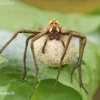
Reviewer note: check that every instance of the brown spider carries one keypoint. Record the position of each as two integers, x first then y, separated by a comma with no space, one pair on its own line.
54,31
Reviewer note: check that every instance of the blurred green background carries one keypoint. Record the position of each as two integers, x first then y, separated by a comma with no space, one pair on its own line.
78,15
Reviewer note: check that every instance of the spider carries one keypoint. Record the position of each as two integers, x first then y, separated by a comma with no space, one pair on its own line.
54,31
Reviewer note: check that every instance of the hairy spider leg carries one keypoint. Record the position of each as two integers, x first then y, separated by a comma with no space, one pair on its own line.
33,32
82,43
34,58
82,46
25,50
14,36
62,42
80,50
66,47
43,48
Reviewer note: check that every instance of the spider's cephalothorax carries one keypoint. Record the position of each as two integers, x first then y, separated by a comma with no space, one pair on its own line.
53,31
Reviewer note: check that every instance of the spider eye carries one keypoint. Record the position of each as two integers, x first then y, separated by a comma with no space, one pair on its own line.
51,22
56,23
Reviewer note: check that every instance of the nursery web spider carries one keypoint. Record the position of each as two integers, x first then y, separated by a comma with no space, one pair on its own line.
54,31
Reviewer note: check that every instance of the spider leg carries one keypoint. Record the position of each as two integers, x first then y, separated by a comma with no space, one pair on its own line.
43,48
25,50
66,47
14,36
82,43
34,58
73,73
62,42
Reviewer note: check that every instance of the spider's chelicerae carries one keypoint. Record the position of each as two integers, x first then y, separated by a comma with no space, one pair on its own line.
53,31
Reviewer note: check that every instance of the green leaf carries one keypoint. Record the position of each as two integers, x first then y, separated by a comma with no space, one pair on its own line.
2,59
22,89
3,91
45,91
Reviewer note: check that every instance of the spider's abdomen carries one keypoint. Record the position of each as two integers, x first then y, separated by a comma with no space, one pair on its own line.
54,33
